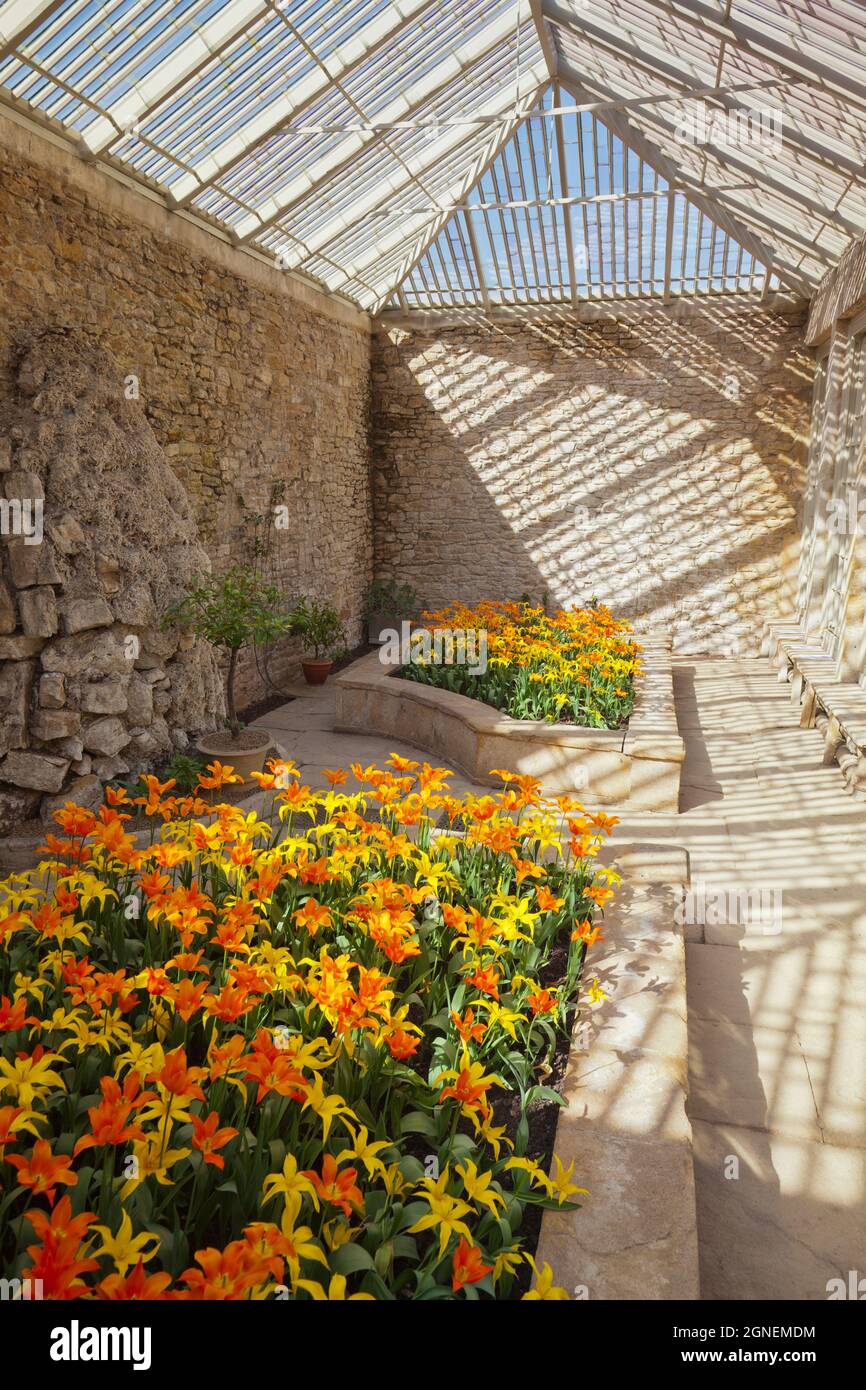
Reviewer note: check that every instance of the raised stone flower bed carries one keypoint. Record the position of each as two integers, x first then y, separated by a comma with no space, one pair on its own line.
625,1124
638,766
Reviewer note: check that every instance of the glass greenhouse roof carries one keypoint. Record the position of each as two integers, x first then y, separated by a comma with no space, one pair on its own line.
425,153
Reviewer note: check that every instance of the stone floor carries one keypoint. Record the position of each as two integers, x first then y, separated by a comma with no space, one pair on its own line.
777,1025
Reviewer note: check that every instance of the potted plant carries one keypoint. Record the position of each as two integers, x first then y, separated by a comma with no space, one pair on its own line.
232,610
320,627
387,604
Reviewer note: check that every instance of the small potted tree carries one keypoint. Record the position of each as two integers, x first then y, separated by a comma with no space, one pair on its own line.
318,624
232,610
387,604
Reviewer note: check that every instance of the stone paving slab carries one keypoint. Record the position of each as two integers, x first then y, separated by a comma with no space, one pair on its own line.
793,1217
624,1124
752,1076
777,1030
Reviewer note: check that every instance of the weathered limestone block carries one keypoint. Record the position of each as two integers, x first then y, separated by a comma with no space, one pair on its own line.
135,606
83,791
106,736
103,697
16,806
148,745
159,642
139,697
38,610
24,485
23,562
20,647
7,609
40,771
48,724
52,691
108,573
108,768
67,535
32,564
147,662
71,748
82,614
16,684
94,654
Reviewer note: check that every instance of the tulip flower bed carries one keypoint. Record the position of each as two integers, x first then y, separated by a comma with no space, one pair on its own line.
575,666
259,1058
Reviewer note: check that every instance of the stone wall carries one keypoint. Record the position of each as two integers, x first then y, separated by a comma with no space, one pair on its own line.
99,539
652,458
256,387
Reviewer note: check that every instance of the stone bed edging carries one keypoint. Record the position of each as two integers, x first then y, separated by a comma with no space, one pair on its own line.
639,768
624,1123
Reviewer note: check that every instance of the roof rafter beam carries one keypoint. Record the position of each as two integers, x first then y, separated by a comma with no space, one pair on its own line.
476,257
793,239
566,215
763,43
427,229
652,61
299,97
479,168
22,18
341,155
545,38
755,169
189,58
699,195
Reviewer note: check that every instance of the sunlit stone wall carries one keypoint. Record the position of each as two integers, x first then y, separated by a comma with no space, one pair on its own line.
652,458
255,386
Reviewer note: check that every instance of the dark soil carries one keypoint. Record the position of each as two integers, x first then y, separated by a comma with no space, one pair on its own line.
241,743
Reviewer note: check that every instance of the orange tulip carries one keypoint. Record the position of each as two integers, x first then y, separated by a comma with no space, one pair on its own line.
42,1172
337,1188
207,1138
468,1267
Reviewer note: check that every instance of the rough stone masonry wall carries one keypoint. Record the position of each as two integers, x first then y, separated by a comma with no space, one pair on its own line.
248,382
100,539
653,459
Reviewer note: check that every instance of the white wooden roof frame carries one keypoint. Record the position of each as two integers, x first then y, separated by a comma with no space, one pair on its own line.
304,129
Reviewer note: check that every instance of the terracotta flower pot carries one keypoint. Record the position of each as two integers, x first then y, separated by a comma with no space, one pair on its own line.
317,672
243,760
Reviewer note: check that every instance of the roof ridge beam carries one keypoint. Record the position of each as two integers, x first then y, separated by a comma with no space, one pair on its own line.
545,38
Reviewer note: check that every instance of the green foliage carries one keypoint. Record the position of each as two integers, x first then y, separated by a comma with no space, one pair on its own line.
185,770
319,625
231,610
389,596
